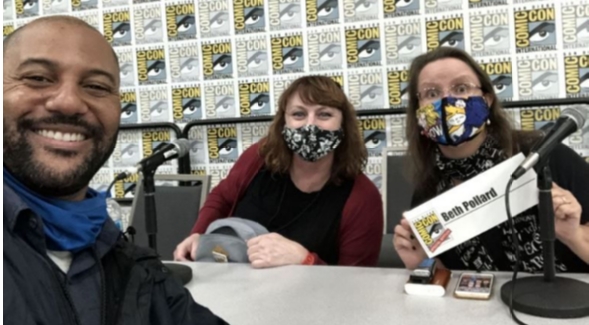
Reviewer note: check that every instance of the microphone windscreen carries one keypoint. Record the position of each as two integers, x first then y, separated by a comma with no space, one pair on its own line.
579,113
183,147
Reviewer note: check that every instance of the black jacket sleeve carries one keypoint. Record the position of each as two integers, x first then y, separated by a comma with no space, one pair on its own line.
181,308
570,171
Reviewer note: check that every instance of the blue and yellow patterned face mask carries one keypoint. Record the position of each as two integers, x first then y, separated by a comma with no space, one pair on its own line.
452,121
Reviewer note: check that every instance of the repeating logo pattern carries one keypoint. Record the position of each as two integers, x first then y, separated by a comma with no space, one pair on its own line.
186,60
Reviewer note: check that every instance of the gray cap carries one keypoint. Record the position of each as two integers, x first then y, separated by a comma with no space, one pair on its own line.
226,240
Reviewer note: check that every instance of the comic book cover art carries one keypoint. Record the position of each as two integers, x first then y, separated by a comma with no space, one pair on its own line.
452,114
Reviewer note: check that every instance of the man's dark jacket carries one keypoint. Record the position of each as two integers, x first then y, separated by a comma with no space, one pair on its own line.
130,286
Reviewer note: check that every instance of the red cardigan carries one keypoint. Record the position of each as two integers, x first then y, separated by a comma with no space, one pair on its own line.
361,226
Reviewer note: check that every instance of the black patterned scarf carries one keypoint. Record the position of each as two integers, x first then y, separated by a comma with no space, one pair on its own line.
473,253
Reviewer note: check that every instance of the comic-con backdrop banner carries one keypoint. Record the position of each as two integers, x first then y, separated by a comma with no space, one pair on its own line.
185,60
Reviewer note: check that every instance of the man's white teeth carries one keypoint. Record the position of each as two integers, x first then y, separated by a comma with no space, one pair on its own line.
56,135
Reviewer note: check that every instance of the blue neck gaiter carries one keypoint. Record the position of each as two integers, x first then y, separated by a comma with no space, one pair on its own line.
68,225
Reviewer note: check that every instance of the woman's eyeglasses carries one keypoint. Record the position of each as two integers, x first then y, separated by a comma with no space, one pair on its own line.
463,89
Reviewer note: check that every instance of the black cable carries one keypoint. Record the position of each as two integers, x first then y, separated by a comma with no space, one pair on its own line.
515,243
131,231
126,174
119,177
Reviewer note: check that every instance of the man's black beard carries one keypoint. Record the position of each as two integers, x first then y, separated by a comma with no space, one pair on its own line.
19,160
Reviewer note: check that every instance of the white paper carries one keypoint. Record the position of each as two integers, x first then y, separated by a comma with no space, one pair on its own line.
472,207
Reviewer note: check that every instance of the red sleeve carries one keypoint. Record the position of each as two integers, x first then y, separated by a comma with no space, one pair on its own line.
362,225
223,197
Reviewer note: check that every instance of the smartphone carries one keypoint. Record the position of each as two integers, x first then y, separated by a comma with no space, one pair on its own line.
474,286
424,271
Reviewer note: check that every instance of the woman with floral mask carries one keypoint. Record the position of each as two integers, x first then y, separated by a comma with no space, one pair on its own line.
304,183
457,129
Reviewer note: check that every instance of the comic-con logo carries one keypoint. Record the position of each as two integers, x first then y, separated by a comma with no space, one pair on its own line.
214,18
576,68
92,18
220,100
279,85
338,77
397,134
125,188
445,32
117,27
535,30
398,82
539,118
254,98
222,143
287,53
186,103
84,4
248,16
501,75
128,107
324,48
7,30
126,67
322,12
435,6
252,56
153,139
374,134
579,141
26,8
127,151
198,170
373,170
217,60
575,26
284,14
402,41
252,133
7,8
154,104
365,89
148,25
55,7
363,47
400,8
180,21
184,65
537,78
360,10
114,3
489,33
198,153
151,66
101,180
485,3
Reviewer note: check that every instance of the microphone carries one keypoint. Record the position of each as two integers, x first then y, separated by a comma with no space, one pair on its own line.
175,149
571,119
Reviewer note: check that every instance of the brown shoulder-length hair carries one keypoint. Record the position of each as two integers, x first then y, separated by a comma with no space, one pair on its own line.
421,150
349,157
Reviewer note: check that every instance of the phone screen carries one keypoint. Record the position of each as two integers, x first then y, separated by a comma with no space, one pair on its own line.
475,283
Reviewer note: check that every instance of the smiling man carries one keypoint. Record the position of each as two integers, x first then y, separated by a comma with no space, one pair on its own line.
65,262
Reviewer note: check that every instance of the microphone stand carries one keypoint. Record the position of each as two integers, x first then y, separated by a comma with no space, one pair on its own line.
150,212
182,272
548,295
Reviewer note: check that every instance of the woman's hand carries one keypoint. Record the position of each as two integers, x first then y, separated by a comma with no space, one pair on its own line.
567,215
274,250
186,250
407,246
